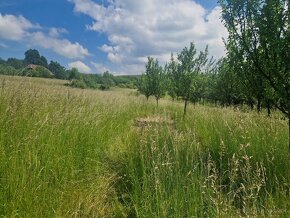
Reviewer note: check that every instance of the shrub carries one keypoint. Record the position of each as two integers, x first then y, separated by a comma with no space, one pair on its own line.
76,83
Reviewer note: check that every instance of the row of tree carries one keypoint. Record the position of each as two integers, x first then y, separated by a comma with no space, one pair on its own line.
35,65
256,70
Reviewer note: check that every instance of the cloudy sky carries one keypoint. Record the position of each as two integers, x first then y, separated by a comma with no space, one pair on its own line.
114,35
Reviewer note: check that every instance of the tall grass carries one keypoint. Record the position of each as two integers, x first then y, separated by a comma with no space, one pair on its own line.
70,152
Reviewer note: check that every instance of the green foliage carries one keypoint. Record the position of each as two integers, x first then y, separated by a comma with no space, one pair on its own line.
39,71
107,81
71,152
143,86
255,44
16,63
58,70
156,78
32,56
8,70
77,83
184,73
74,74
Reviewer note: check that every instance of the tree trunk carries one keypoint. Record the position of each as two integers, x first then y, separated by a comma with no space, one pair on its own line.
147,98
251,104
157,100
268,107
185,106
259,105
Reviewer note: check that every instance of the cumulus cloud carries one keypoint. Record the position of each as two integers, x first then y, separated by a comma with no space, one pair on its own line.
100,68
60,46
14,27
83,68
18,28
56,32
137,29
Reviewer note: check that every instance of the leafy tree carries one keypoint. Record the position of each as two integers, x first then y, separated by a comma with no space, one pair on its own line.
267,49
228,86
189,66
156,78
74,74
143,86
77,83
171,72
107,80
58,70
32,56
16,63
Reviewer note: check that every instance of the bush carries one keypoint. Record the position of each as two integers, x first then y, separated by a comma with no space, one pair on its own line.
104,87
39,71
77,84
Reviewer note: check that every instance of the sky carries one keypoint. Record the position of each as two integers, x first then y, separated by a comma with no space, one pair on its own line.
115,35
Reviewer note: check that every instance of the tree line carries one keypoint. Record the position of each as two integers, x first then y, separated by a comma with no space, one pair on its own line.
36,65
255,71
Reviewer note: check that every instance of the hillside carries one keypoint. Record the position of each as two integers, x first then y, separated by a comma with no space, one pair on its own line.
86,153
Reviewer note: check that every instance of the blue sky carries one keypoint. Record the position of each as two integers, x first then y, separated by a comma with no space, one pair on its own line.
114,35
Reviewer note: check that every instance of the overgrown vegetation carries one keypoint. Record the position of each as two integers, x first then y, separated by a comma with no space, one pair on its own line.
85,153
78,152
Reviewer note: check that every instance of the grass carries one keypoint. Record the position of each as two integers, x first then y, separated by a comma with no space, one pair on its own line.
82,153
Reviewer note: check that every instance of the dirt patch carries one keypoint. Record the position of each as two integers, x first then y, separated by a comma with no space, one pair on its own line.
152,120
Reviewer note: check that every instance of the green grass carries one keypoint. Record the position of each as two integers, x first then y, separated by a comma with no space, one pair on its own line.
69,152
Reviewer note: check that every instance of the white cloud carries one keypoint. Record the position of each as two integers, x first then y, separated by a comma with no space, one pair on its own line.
14,27
100,68
18,28
56,32
136,29
60,46
83,68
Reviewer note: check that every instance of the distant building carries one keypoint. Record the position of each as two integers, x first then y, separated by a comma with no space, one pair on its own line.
31,66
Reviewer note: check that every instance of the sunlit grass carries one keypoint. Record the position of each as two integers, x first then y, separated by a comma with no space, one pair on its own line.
70,152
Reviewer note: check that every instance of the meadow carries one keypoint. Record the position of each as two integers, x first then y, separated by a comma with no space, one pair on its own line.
67,152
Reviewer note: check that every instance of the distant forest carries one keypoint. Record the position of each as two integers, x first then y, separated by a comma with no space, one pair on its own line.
35,65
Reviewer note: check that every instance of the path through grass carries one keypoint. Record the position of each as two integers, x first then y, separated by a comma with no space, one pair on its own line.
70,152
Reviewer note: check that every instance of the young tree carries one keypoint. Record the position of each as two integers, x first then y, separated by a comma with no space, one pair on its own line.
143,86
183,76
107,80
156,78
171,72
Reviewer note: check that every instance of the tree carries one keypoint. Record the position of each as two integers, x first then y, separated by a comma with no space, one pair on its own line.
185,71
58,70
156,78
107,80
73,74
143,86
267,49
32,56
16,63
171,71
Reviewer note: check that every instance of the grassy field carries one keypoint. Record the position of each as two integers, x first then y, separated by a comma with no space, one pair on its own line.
83,153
